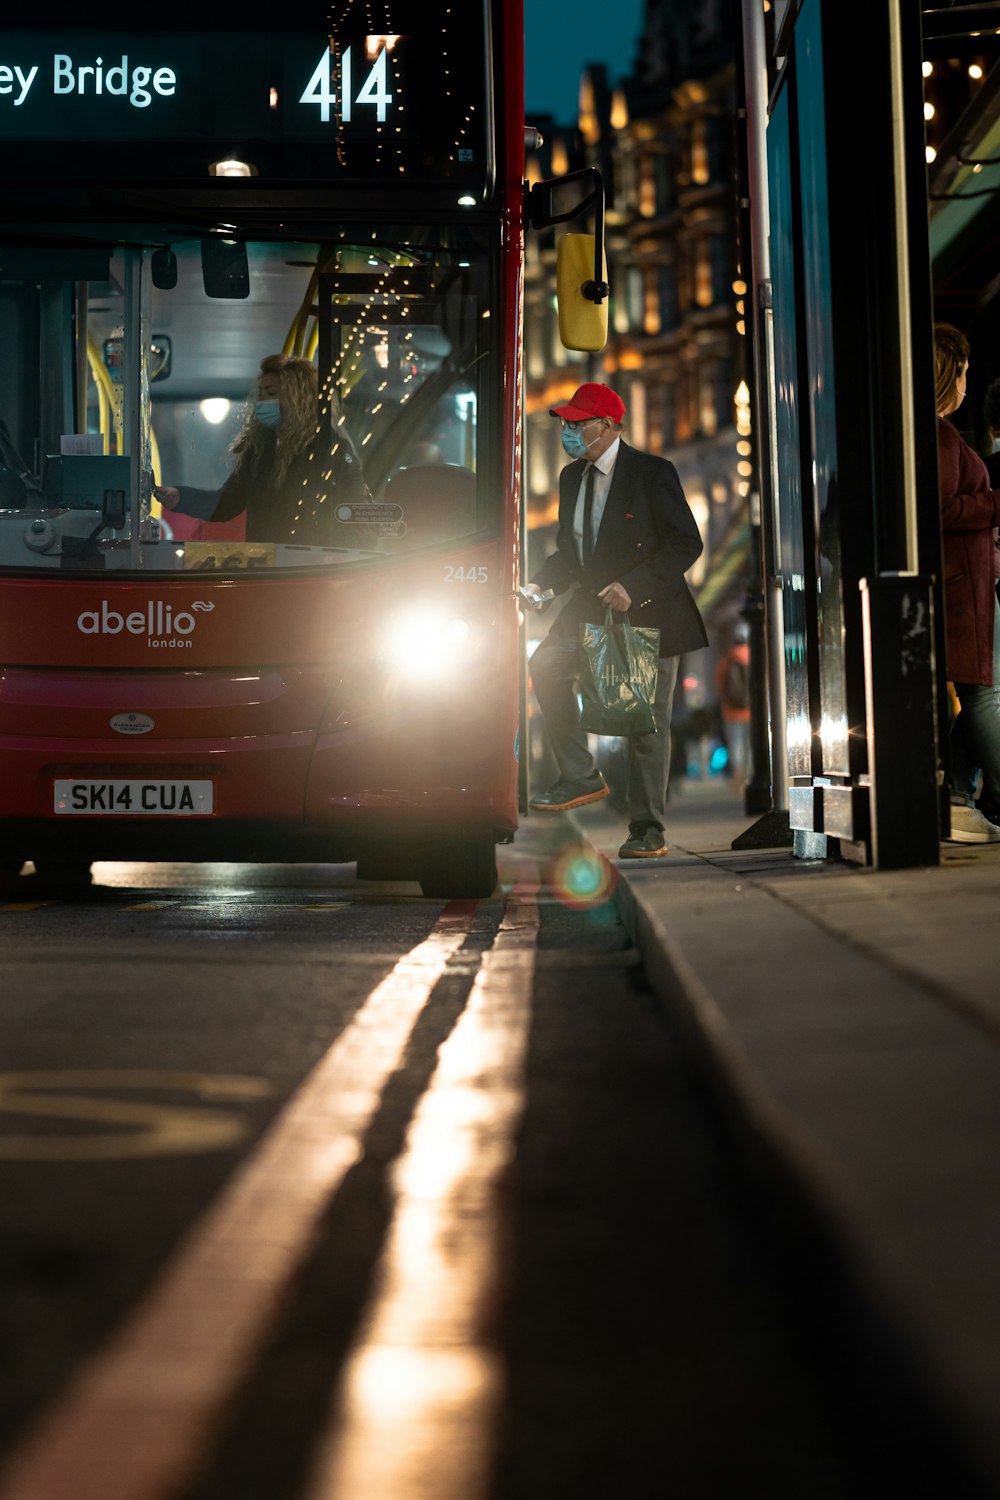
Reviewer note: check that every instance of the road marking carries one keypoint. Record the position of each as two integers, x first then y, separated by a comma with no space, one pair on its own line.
223,903
417,1408
139,1128
134,1422
216,903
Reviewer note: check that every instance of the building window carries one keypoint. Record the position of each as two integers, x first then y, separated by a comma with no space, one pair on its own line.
685,290
668,296
704,292
534,339
719,146
699,509
539,465
625,175
647,188
708,397
557,353
637,424
635,296
700,166
619,313
685,413
666,182
724,377
721,254
651,304
668,414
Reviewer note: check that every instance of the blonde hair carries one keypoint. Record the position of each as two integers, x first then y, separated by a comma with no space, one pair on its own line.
298,389
951,355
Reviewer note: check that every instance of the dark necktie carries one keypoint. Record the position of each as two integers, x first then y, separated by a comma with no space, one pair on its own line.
588,516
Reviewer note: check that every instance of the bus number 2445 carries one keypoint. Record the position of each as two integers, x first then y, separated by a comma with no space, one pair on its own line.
466,575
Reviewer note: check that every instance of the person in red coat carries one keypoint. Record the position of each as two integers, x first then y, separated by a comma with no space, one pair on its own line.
732,683
970,513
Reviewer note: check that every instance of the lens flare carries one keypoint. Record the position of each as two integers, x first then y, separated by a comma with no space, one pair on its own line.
581,878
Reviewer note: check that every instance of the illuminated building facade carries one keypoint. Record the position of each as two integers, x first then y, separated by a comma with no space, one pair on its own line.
665,141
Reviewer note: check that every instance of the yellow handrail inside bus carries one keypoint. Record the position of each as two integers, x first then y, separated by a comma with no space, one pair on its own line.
294,346
154,459
105,394
107,415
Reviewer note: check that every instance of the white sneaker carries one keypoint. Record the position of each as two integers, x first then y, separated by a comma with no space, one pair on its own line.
968,826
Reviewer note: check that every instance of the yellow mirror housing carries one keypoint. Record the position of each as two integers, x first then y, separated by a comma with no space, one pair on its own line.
582,324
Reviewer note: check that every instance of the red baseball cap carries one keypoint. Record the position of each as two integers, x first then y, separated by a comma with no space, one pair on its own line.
591,401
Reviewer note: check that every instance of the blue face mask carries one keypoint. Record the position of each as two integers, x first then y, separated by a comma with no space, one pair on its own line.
573,444
268,413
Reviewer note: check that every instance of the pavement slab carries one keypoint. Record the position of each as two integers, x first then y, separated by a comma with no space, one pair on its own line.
851,1020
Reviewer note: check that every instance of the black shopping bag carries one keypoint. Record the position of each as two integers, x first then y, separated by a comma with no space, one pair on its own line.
618,667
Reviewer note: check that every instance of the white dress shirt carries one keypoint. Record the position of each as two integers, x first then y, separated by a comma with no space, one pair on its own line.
605,466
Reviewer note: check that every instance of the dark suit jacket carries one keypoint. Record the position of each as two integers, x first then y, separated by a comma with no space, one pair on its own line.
647,540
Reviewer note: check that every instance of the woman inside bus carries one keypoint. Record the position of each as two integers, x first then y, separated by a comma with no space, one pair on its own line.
288,495
970,512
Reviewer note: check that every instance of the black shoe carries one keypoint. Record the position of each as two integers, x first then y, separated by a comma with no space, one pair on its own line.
645,841
566,794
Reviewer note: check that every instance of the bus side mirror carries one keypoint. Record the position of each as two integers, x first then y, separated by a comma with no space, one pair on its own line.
583,323
224,268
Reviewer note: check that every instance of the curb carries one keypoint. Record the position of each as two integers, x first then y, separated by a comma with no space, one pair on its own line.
825,1245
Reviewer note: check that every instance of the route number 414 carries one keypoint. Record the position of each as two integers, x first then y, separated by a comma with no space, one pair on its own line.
374,91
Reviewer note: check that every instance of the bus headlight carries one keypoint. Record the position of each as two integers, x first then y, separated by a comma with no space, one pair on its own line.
424,644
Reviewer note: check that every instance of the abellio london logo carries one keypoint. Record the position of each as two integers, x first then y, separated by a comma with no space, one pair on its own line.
158,622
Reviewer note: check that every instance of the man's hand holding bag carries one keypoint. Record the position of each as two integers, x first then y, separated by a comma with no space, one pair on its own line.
619,663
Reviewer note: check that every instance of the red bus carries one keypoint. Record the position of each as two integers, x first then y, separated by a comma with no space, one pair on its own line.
337,681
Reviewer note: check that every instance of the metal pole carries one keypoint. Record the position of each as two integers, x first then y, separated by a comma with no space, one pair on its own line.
135,415
524,729
755,71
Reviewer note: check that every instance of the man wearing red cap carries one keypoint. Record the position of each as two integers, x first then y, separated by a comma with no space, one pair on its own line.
626,539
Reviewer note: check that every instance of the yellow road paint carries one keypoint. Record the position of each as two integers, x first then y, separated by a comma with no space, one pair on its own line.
177,903
134,1423
137,1128
417,1408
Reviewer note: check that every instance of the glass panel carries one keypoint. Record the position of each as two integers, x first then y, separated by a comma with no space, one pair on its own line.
795,567
818,304
329,415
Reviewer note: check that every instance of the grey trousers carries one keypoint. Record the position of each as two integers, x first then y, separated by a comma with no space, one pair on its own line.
975,734
555,669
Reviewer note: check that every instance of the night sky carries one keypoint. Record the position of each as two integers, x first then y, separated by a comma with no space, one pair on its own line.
562,36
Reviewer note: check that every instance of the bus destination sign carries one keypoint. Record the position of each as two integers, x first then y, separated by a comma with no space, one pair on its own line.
290,104
161,85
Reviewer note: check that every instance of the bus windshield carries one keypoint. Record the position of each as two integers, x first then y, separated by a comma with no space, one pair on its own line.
190,403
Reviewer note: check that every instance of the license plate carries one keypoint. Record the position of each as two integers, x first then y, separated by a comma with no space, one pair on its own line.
132,799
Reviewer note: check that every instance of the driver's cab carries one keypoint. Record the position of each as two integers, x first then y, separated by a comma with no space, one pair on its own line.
136,367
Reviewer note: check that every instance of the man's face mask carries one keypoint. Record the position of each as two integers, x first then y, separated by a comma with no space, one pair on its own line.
573,443
268,413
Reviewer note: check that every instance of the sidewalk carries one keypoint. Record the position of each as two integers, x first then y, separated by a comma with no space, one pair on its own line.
851,1021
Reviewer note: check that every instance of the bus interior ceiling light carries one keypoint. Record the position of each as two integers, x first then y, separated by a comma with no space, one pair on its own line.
231,168
426,642
466,201
215,409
